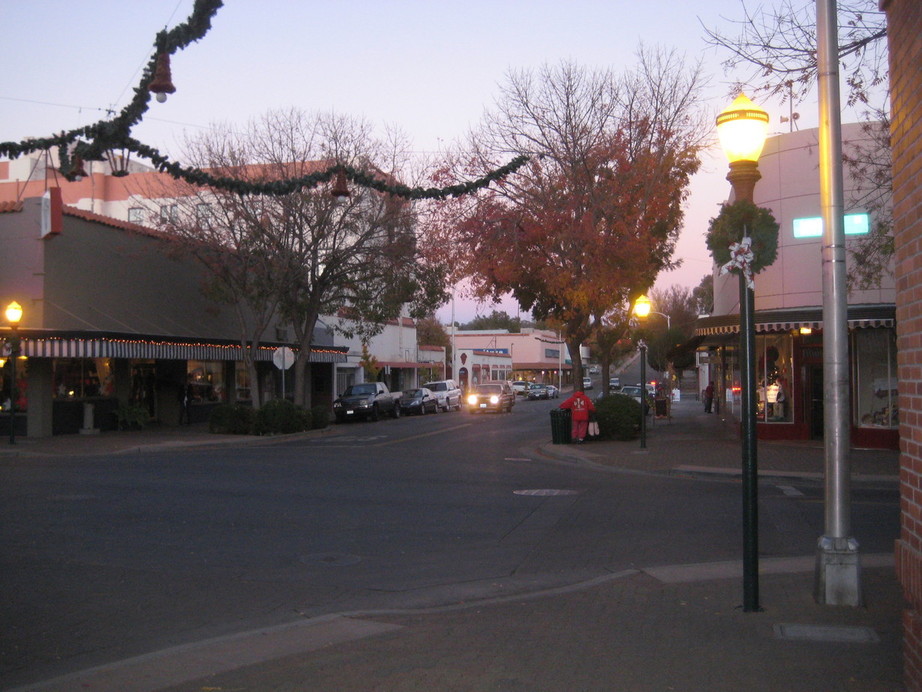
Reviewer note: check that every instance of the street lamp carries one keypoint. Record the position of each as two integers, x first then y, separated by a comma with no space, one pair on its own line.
742,128
642,308
13,316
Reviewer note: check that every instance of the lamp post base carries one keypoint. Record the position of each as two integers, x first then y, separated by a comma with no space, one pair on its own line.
837,579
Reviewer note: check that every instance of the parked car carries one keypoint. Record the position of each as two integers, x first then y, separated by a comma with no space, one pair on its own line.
614,382
447,393
491,396
418,401
537,391
608,392
520,387
635,390
587,383
368,400
552,392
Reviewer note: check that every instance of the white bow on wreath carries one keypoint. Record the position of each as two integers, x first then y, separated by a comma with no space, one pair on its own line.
741,257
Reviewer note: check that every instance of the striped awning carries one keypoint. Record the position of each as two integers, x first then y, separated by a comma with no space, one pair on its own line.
155,349
859,317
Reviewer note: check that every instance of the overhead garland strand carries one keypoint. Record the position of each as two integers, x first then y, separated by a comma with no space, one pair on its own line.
91,142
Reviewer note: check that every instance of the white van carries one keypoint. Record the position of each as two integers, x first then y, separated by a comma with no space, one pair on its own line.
447,392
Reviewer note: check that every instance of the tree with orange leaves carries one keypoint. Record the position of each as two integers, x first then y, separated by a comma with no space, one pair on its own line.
595,215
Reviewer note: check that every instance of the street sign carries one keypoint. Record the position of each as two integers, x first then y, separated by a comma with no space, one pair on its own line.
283,358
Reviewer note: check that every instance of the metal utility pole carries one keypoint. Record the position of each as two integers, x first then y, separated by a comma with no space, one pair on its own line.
838,566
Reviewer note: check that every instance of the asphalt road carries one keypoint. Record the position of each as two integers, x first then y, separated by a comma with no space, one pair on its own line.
103,558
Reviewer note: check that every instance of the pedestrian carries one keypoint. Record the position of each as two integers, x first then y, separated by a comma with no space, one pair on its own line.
580,407
708,397
185,399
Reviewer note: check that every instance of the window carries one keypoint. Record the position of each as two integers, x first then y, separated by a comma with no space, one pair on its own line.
79,378
203,214
242,378
207,381
136,215
875,396
855,224
169,213
774,377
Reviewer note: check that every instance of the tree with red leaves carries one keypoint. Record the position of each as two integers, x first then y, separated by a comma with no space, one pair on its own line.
595,216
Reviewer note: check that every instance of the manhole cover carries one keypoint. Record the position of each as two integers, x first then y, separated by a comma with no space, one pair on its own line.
545,492
330,559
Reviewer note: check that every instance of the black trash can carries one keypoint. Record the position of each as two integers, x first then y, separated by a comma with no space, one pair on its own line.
560,426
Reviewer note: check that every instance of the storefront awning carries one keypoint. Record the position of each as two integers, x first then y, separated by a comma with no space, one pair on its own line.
38,345
859,317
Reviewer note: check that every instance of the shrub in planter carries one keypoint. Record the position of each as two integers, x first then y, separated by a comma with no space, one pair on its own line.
231,419
131,416
618,416
320,417
280,416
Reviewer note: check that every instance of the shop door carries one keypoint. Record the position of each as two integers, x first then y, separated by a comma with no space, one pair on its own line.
144,387
815,401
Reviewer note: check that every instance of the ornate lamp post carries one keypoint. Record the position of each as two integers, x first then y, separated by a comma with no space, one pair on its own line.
742,128
13,316
642,308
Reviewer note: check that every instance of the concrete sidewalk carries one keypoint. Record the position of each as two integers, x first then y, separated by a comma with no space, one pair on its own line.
655,627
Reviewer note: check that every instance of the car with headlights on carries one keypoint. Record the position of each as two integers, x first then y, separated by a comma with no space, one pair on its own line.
491,396
418,402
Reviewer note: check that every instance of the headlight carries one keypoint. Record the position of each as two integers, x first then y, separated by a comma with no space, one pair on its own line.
364,403
494,399
472,399
337,404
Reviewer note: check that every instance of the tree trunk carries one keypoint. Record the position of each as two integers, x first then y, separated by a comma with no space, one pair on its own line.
302,395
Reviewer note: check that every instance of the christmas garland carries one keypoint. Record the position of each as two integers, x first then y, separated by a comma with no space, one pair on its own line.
743,238
91,143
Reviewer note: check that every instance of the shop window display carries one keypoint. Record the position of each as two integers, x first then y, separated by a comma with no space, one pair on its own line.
21,387
206,381
875,396
83,378
243,382
774,376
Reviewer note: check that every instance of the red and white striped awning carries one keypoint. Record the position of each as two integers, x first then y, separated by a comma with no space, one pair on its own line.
154,349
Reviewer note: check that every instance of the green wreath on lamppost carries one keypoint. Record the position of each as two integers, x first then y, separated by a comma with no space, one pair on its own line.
739,219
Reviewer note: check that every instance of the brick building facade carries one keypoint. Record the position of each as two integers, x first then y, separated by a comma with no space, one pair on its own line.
904,22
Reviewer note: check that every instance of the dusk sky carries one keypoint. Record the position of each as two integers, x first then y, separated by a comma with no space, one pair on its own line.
429,68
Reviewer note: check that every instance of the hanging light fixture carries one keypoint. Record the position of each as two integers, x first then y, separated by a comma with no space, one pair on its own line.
118,161
340,189
162,83
78,172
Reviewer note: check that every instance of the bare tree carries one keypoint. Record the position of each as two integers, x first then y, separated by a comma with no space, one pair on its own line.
315,255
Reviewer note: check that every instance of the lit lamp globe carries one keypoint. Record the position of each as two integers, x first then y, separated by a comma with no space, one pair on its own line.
742,128
13,313
642,307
